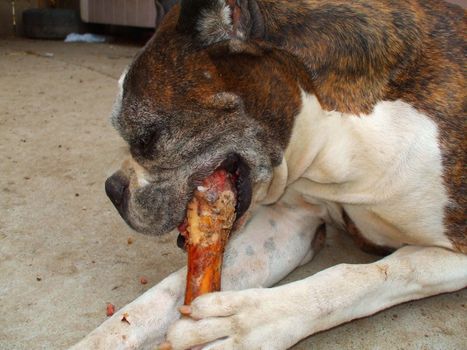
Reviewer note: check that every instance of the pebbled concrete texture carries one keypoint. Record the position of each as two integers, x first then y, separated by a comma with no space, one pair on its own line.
64,250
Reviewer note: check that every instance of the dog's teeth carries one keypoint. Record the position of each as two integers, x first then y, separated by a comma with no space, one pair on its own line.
202,189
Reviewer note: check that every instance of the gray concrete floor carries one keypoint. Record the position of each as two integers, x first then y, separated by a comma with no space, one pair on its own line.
63,248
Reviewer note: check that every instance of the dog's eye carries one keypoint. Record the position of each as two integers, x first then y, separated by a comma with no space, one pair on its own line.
143,143
144,146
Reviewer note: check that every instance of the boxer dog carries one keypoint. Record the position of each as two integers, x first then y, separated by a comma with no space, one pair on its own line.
351,114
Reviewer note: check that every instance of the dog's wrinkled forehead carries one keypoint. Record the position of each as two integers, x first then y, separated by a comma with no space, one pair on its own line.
167,81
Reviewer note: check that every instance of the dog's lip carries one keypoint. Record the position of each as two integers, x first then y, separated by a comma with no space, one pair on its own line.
243,187
240,173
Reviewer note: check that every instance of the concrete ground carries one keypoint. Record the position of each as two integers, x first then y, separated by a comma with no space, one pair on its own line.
64,250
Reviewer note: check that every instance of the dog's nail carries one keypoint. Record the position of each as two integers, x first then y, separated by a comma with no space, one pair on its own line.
185,310
165,346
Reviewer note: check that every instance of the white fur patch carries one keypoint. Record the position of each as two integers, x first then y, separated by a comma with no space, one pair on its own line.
118,101
384,169
141,177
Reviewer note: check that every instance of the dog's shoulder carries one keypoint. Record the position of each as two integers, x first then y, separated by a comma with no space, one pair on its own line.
363,54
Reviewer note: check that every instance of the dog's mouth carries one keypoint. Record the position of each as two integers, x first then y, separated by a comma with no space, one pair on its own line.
239,173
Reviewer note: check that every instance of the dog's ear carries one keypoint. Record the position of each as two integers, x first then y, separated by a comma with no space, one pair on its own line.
214,21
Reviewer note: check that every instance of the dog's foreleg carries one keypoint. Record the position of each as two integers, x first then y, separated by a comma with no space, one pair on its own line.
279,317
275,241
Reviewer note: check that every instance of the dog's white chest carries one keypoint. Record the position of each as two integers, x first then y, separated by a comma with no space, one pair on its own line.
384,169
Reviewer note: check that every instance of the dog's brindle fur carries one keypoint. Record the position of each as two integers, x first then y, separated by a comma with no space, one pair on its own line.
350,55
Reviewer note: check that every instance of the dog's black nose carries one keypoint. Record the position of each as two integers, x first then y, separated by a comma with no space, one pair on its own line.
115,187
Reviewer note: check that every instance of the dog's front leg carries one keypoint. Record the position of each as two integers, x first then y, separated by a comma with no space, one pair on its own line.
275,241
279,317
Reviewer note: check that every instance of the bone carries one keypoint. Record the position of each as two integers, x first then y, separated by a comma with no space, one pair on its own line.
210,217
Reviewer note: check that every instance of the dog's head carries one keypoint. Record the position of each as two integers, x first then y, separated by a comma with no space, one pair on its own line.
202,94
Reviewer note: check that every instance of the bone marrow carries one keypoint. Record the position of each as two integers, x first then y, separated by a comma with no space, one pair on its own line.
210,217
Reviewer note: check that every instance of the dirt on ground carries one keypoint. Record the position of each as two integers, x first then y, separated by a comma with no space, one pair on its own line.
65,252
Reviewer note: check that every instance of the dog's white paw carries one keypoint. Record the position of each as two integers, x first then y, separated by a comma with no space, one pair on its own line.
248,319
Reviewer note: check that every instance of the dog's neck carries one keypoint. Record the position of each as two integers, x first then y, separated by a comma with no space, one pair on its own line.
299,154
351,55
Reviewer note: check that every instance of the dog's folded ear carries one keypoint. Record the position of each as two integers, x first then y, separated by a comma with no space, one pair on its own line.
215,21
